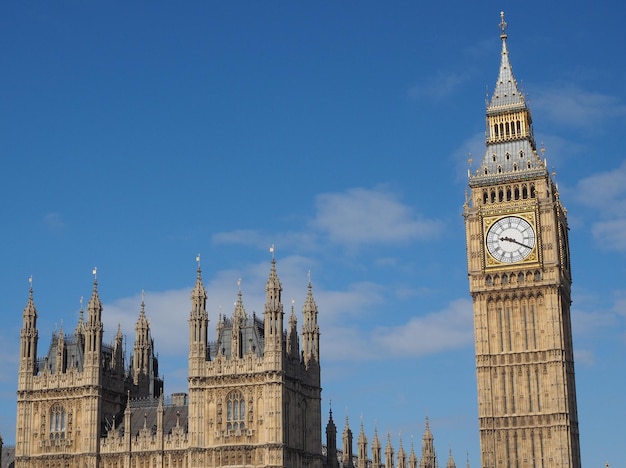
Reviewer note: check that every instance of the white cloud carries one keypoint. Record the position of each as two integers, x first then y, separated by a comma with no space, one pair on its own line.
576,107
450,328
604,190
610,235
605,193
361,216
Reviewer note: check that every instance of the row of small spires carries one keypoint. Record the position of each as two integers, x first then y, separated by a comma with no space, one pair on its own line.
428,459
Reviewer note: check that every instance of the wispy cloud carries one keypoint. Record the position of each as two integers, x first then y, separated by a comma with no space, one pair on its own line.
434,332
605,193
363,216
443,330
576,107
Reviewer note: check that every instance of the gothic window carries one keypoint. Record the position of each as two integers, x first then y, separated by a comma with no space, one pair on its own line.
235,411
508,156
493,157
519,126
521,154
57,422
499,169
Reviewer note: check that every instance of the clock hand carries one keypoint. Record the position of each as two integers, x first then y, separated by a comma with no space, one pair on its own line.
510,239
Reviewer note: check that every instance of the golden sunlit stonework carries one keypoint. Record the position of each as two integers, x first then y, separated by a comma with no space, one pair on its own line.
253,400
520,282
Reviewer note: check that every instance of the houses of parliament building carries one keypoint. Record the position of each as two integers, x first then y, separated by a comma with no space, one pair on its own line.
254,389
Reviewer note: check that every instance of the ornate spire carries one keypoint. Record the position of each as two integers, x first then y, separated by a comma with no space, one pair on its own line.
412,456
429,458
450,463
331,442
198,294
30,311
401,455
506,92
347,445
198,324
376,448
80,326
511,150
94,308
310,329
389,452
273,323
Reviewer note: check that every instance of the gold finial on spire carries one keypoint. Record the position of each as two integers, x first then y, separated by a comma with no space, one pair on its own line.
143,296
272,251
30,282
95,273
81,302
502,25
239,284
198,260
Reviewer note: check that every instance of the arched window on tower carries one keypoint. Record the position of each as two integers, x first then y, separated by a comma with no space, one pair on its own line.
58,418
235,411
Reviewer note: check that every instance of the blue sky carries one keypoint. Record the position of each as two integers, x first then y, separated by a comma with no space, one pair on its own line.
133,136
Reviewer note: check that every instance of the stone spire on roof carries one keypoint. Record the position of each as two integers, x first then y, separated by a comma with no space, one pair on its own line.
506,92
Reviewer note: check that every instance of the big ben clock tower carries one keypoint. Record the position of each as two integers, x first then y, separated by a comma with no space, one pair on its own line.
520,282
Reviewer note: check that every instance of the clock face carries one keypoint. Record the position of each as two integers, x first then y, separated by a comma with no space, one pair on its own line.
510,239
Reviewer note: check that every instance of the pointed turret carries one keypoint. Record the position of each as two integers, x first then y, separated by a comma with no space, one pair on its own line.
60,358
310,329
293,344
29,336
118,351
142,354
347,446
376,450
93,328
331,442
389,453
429,458
511,150
450,463
198,324
401,455
362,447
273,315
239,320
412,456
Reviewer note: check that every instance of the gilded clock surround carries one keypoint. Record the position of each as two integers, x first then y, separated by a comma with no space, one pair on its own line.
532,257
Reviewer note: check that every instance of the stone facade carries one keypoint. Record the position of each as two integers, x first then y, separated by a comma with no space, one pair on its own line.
254,396
520,282
253,399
